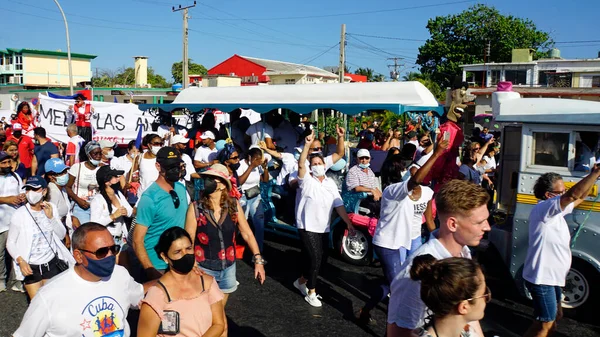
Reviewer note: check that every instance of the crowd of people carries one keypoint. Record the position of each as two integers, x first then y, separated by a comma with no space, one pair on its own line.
157,228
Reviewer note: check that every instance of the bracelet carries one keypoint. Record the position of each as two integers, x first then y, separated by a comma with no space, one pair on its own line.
260,261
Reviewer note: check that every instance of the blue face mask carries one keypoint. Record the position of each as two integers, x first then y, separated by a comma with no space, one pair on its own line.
364,166
62,180
296,156
103,267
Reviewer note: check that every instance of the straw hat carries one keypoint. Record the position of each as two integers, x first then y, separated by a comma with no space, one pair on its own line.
219,171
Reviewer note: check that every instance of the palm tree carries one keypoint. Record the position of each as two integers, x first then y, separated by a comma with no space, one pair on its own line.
368,72
413,76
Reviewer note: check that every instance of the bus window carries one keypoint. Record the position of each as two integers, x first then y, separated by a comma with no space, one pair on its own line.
551,149
586,149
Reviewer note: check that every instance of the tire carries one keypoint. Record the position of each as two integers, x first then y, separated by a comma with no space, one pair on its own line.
357,251
581,292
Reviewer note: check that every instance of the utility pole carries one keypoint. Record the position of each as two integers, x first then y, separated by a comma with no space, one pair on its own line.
394,74
184,65
68,48
342,68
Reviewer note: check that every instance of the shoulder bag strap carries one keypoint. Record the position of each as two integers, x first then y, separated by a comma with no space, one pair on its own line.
165,289
41,231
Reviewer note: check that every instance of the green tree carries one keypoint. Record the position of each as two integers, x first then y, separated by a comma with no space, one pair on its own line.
428,82
372,76
193,69
462,38
126,77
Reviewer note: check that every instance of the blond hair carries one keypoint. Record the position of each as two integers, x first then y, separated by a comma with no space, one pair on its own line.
459,197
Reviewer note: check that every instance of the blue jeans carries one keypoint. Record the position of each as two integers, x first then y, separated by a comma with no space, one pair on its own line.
546,300
255,212
393,259
225,278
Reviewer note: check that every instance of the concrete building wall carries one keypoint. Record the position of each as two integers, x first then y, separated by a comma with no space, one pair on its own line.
41,70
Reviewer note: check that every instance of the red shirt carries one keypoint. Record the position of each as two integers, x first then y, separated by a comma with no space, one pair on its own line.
25,120
25,146
83,114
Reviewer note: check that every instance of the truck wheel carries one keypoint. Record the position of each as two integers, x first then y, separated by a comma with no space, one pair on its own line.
357,250
581,291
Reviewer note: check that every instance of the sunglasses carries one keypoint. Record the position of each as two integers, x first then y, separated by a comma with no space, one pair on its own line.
157,144
317,148
234,158
362,158
487,296
101,253
175,198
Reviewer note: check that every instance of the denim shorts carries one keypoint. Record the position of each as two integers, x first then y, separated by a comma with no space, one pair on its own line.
225,278
545,301
83,215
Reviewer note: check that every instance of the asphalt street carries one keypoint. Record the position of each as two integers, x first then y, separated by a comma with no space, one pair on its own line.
277,308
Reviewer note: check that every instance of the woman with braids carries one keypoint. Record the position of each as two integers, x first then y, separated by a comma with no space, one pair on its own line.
455,292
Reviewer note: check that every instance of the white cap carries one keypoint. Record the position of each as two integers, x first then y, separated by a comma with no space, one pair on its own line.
179,139
208,135
106,143
363,153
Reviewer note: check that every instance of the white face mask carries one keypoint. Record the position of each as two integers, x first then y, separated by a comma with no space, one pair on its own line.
110,154
318,170
155,149
62,180
34,197
94,162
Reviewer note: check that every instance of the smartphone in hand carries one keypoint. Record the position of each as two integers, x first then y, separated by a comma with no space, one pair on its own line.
446,135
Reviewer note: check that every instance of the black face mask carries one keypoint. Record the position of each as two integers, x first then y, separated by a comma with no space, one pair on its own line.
173,174
116,187
5,170
210,185
235,166
184,265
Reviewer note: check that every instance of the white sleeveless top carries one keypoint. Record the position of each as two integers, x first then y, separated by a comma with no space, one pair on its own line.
148,174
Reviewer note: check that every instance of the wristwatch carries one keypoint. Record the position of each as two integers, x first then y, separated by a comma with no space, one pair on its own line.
258,260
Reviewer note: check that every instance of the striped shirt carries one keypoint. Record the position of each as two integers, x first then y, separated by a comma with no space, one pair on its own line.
357,177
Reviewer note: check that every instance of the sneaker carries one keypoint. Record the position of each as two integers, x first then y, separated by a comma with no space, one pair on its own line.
302,287
18,287
2,287
314,300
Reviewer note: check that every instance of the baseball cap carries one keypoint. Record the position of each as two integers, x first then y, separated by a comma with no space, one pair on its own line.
36,182
168,157
17,127
105,172
3,155
363,153
411,134
106,143
179,139
55,165
207,135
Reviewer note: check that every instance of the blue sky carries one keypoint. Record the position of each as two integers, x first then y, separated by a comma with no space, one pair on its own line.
295,31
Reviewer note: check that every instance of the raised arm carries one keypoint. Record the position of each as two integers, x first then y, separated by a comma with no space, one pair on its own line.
304,155
421,173
341,149
581,190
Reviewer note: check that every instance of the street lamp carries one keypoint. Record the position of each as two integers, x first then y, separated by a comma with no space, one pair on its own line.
68,47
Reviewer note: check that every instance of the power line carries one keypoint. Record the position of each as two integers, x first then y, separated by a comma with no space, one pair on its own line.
387,37
567,42
355,13
313,58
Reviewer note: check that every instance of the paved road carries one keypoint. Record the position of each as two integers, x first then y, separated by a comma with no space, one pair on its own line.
277,309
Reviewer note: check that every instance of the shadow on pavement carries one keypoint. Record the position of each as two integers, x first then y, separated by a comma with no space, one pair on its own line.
236,330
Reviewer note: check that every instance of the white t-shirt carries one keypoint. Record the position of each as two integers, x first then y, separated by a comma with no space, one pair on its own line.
406,309
10,185
148,173
490,165
257,130
316,200
122,164
548,254
85,185
91,309
290,164
59,197
99,213
253,178
74,146
420,158
205,154
400,216
189,167
43,245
